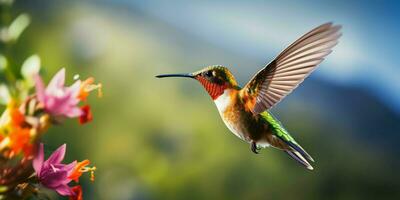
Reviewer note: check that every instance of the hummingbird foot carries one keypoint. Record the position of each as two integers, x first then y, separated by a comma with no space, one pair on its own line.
254,148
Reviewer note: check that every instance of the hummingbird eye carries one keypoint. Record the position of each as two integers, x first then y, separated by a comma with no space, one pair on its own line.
209,73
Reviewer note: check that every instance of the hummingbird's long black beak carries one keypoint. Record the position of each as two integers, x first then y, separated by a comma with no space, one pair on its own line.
176,75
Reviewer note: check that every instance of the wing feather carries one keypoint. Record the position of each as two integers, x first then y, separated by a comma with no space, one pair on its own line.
280,77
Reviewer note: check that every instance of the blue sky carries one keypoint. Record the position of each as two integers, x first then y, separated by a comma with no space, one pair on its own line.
367,55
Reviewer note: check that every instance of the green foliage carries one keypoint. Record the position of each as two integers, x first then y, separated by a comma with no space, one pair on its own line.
18,78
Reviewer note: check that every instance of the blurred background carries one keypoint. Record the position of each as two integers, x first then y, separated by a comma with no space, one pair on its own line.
164,139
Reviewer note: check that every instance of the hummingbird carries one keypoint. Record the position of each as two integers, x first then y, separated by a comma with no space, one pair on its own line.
245,111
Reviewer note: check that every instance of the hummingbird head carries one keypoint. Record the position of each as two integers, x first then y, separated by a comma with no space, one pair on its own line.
215,79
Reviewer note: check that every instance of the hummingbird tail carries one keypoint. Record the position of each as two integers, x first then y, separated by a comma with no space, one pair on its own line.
293,144
299,158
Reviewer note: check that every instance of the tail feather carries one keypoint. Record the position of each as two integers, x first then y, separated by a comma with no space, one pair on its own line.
299,158
300,149
290,146
279,131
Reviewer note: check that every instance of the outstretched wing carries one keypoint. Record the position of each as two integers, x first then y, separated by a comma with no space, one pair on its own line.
271,84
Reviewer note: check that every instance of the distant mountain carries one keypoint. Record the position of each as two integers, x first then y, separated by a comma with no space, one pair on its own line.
368,119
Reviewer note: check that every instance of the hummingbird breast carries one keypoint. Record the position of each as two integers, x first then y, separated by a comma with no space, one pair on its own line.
241,122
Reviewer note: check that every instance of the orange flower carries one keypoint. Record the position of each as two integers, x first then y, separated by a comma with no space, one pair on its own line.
17,118
20,140
78,193
80,168
4,141
88,86
18,135
86,115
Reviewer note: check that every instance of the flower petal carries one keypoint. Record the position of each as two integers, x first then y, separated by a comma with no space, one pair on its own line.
52,179
78,193
64,190
86,116
65,168
69,167
57,82
40,90
38,161
57,156
75,89
74,112
59,105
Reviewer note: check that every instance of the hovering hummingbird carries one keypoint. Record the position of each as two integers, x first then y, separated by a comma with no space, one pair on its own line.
245,110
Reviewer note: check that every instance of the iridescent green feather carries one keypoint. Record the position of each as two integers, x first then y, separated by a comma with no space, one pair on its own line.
277,127
222,73
283,134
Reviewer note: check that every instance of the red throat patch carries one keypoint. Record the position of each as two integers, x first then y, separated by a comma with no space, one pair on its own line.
214,90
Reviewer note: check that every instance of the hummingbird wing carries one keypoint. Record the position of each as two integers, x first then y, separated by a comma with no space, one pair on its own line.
280,77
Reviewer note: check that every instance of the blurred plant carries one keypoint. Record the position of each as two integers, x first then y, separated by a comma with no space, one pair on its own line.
28,115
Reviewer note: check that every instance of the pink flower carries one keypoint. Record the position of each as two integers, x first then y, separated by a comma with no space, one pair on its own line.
52,173
57,99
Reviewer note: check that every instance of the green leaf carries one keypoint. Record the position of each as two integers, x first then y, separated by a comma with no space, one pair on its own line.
30,67
8,3
3,62
18,26
5,96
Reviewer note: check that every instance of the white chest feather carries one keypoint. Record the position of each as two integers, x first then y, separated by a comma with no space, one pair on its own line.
222,103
